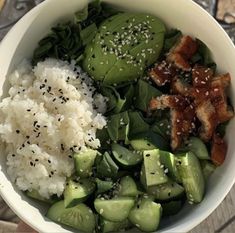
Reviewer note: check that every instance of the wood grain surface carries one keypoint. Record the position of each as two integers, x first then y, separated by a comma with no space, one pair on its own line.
1,4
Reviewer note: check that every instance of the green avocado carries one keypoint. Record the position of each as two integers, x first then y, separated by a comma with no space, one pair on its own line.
123,47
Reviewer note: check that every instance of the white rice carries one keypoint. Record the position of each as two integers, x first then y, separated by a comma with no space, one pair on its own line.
49,114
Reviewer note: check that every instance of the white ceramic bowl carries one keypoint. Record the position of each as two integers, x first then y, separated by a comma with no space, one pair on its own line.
182,14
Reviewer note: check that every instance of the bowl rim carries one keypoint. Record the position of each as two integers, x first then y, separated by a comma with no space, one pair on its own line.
195,221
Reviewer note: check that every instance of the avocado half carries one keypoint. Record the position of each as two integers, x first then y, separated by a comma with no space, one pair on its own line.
123,47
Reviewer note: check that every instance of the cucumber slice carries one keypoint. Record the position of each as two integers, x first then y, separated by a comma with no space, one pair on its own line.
128,187
84,162
103,186
126,157
152,172
192,176
115,210
107,167
77,192
207,168
79,217
171,208
169,162
148,141
35,195
167,191
146,215
198,147
108,226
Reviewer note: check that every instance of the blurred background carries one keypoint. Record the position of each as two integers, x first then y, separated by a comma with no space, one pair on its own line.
223,219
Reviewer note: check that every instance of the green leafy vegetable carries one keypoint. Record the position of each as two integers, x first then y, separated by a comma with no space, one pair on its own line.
162,128
171,38
88,33
115,102
118,126
221,128
67,41
203,56
144,92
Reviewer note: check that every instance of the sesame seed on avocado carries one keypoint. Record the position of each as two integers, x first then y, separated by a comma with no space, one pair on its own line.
123,47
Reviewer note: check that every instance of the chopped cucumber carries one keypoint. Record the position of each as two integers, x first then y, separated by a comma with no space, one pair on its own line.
103,186
115,210
107,167
84,162
35,195
108,226
146,215
198,147
207,168
192,176
79,217
126,157
148,141
167,191
169,162
152,172
128,187
171,208
77,192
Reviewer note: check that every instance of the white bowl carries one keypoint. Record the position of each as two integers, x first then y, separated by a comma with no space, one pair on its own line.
182,14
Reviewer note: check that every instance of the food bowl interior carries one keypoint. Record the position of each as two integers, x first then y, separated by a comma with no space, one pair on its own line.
20,44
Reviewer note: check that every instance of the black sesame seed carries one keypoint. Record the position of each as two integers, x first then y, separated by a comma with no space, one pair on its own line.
148,144
92,68
70,156
13,155
93,56
49,176
28,142
147,155
169,194
27,137
45,80
36,160
49,161
31,163
52,173
62,146
34,123
23,145
28,110
17,131
152,173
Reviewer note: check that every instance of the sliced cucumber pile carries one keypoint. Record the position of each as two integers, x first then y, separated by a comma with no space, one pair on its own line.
116,209
79,217
77,191
146,215
129,188
108,226
168,191
126,157
192,176
84,162
152,172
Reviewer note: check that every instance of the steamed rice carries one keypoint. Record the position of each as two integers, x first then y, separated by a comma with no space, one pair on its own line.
49,114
